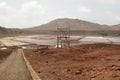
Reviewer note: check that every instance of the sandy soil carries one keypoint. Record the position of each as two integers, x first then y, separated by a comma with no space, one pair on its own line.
84,62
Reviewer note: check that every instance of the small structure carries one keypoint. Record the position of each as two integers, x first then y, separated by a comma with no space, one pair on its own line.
63,37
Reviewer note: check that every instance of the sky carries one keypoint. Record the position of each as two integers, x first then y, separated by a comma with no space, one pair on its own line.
30,13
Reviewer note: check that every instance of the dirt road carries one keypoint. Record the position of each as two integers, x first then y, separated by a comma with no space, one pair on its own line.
14,67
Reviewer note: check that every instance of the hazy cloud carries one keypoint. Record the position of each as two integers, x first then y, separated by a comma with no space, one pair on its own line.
29,13
108,1
2,4
84,10
32,6
5,8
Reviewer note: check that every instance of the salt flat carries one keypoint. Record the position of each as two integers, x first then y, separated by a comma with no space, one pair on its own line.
51,39
9,42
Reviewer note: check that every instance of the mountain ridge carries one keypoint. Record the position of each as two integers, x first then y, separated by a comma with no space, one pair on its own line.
74,24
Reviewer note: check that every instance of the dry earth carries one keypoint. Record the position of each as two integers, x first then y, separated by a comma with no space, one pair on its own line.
84,62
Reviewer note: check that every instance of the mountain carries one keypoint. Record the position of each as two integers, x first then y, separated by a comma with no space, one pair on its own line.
116,27
74,24
3,31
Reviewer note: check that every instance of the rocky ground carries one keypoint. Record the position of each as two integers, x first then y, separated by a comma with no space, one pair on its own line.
84,62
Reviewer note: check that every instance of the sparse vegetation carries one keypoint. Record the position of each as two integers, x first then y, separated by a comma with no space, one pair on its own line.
104,34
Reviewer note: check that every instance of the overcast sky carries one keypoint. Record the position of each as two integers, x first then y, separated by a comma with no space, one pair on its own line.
29,13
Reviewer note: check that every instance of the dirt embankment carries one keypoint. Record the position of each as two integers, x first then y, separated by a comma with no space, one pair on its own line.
4,54
84,62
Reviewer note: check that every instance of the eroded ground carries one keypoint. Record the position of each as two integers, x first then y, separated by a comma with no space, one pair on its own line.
84,62
4,54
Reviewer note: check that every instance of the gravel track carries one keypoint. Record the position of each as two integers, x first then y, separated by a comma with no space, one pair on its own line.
14,67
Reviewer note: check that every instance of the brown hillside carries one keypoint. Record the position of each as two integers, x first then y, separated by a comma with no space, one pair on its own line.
74,24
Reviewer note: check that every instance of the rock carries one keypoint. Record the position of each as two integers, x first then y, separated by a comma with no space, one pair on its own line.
68,70
78,72
59,79
39,72
46,61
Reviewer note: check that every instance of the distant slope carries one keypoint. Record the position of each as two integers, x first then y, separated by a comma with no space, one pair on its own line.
3,31
77,27
11,31
74,24
116,27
